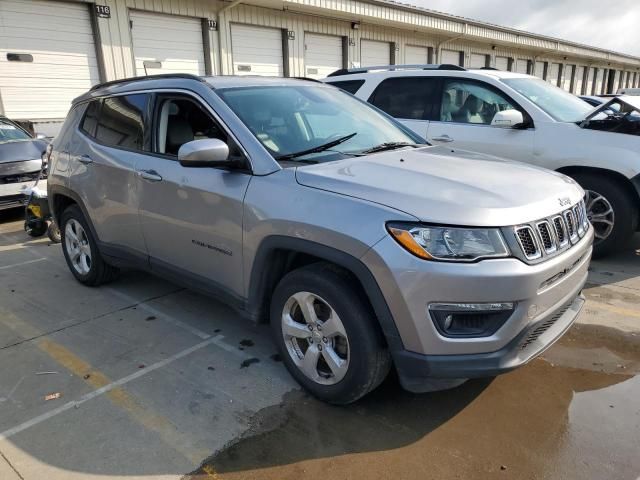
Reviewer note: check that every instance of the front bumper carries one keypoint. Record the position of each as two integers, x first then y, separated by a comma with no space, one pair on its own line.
15,194
416,370
546,295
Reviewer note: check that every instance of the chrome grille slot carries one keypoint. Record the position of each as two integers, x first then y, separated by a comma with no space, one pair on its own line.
528,243
577,212
561,233
570,220
547,236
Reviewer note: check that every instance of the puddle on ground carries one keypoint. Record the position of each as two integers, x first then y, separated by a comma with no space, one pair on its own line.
573,414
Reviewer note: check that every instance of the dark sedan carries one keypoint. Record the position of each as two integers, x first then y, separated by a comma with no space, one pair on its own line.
20,162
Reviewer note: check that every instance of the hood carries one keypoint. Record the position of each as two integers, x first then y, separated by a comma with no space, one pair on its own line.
440,185
22,150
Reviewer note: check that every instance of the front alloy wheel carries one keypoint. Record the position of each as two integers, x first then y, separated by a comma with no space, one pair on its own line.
315,338
601,215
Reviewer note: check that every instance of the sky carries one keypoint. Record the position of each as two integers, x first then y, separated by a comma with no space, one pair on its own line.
610,24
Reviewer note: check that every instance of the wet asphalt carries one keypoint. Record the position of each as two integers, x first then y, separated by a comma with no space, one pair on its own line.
157,382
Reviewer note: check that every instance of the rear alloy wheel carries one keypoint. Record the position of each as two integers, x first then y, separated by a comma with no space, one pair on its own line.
327,334
81,250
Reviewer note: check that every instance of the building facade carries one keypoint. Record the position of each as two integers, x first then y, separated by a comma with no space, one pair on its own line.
53,50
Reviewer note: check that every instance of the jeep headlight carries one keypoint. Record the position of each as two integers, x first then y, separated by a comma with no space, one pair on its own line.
452,244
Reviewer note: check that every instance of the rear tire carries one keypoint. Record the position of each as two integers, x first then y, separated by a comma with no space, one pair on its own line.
338,354
81,250
603,194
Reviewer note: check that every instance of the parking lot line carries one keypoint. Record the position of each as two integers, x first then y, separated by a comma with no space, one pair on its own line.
158,313
35,260
104,388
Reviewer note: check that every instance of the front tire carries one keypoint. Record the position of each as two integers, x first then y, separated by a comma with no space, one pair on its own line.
612,211
327,334
81,250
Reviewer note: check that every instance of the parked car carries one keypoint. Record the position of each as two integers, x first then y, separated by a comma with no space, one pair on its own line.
519,117
298,203
20,162
629,91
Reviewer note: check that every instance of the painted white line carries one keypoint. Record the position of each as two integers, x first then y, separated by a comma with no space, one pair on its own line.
159,314
6,267
217,340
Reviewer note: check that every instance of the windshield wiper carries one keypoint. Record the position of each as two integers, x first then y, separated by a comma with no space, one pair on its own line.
389,146
319,148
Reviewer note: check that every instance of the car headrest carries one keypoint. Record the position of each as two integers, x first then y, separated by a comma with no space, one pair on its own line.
179,132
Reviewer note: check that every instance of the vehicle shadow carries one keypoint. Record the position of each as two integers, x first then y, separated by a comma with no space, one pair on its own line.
616,267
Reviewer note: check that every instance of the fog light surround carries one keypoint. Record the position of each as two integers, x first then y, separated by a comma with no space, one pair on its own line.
470,320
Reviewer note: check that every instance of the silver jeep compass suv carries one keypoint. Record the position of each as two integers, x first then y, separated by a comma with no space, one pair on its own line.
299,204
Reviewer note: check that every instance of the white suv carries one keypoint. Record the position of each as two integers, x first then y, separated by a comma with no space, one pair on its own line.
523,118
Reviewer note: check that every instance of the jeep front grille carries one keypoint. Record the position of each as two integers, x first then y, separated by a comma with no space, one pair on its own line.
528,242
548,236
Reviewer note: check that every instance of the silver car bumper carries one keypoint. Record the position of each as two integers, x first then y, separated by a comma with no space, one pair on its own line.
540,292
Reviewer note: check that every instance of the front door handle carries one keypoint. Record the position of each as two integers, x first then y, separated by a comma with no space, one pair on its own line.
150,175
443,138
85,159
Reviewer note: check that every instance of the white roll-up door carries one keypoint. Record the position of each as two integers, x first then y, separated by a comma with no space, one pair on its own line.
554,74
414,55
599,80
477,60
590,77
577,84
55,57
451,57
322,54
521,65
502,63
568,74
257,50
539,69
374,53
166,43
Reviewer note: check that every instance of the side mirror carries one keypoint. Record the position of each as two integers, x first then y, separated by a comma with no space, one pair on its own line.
208,152
507,119
41,136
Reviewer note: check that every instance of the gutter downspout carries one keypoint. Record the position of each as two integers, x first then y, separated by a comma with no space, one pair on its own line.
451,39
229,6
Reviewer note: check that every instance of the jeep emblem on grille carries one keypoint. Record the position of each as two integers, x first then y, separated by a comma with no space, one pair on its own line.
564,201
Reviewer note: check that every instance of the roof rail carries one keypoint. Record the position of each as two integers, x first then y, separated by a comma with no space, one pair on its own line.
490,68
443,66
148,77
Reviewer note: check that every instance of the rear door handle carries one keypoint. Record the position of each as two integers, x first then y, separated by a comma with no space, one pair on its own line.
443,138
150,175
85,159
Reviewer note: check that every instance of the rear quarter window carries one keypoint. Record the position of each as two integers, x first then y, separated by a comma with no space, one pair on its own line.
90,120
350,86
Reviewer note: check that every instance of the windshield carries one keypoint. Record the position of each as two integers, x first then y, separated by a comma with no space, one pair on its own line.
10,133
318,120
560,105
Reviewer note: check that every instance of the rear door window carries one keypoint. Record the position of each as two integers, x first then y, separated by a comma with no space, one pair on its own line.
122,121
410,98
90,119
349,86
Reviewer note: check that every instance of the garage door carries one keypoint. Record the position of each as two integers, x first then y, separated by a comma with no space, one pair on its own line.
53,43
414,55
166,44
577,84
590,78
568,74
539,69
451,57
599,80
477,60
502,63
521,65
322,54
257,50
554,73
374,53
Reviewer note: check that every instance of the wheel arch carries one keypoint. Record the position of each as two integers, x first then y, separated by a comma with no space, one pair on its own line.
278,255
61,198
